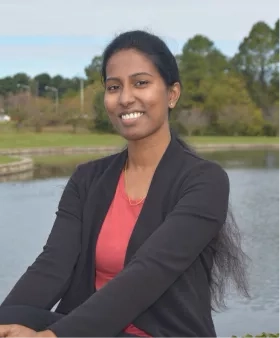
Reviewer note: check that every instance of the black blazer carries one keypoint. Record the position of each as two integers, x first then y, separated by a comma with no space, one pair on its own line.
164,286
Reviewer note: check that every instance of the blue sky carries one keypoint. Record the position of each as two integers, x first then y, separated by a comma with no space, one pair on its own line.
62,36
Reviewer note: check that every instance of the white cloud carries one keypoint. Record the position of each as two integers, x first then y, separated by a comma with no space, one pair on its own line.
177,19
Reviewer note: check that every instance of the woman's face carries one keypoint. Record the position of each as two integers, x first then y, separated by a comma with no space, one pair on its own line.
136,97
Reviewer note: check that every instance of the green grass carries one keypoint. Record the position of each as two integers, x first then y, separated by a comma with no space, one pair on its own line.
7,159
29,140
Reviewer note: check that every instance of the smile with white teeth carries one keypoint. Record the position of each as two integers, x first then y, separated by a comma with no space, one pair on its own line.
134,115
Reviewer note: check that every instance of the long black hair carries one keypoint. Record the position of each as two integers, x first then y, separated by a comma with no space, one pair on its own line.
230,261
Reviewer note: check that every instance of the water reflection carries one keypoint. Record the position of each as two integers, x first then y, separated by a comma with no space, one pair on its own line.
245,159
228,159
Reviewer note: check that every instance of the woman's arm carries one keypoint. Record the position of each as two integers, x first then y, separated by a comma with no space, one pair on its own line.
165,255
44,282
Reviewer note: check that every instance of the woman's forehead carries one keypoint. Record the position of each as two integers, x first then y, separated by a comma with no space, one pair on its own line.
129,62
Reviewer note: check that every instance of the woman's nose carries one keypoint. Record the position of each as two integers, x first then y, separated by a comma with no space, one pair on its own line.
126,96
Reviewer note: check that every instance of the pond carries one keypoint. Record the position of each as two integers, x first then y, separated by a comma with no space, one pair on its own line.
28,205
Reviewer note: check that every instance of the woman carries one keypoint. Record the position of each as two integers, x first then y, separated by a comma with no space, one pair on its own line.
142,245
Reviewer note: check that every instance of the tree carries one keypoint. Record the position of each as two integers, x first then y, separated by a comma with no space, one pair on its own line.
277,34
16,106
193,120
7,85
274,88
235,112
256,61
42,80
41,112
28,110
77,110
93,70
199,61
209,101
20,79
274,81
71,112
276,118
90,93
2,103
101,120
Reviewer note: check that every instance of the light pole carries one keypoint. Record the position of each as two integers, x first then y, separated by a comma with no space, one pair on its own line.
55,90
82,96
28,89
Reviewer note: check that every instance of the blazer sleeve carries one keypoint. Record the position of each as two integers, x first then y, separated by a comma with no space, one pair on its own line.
44,282
165,255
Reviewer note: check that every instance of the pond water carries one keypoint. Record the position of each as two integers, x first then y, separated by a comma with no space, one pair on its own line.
27,211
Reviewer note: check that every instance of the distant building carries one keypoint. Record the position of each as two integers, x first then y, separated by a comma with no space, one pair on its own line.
3,116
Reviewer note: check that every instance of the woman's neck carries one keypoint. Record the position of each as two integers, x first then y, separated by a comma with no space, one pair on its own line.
147,153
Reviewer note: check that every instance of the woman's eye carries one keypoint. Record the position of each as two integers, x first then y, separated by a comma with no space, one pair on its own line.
112,88
141,83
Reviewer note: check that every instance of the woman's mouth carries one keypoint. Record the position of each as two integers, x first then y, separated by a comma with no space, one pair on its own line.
131,116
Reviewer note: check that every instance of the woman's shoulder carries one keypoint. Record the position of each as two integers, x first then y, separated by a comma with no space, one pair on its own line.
99,163
197,166
85,172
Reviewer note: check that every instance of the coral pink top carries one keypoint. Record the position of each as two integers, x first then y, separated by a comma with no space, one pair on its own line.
113,240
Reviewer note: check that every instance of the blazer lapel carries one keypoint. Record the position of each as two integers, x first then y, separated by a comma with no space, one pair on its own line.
100,196
153,211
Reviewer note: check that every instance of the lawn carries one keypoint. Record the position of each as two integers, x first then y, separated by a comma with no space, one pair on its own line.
7,159
29,140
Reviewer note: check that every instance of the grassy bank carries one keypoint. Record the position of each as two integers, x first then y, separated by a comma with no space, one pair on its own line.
251,158
6,159
30,140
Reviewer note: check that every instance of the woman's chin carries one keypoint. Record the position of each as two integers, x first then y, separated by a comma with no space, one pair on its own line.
133,135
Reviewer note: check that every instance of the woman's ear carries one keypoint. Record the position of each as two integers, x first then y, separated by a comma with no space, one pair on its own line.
174,94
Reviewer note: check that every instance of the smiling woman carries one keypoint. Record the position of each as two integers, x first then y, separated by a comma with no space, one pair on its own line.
144,243
137,102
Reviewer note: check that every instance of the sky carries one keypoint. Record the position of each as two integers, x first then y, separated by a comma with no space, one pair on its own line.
62,36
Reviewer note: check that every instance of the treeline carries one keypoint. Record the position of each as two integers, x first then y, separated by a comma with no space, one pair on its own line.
220,95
